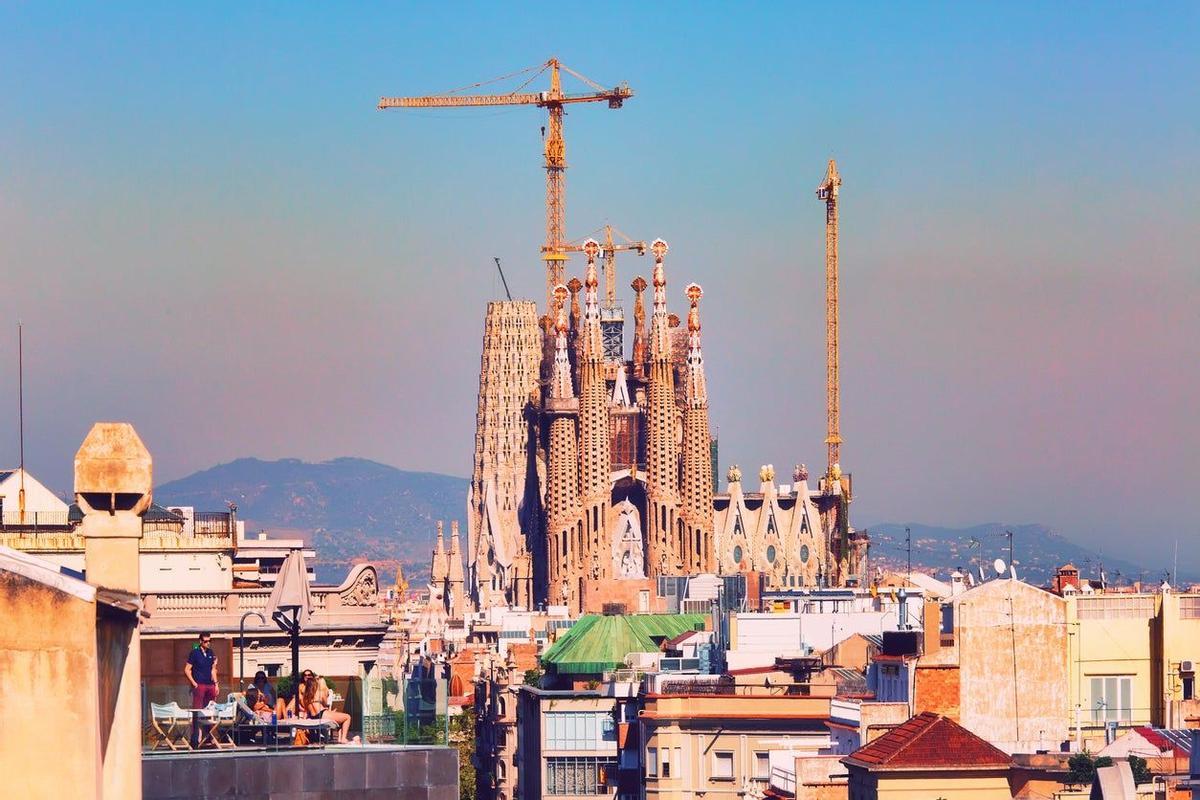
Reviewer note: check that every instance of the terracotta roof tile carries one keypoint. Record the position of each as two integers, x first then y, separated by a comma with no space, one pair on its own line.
928,741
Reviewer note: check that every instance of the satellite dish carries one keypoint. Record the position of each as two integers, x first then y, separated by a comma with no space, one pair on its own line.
1012,571
999,566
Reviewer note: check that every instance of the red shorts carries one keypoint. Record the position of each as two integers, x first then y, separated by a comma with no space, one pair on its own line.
202,694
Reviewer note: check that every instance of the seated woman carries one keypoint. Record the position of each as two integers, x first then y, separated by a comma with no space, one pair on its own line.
258,704
285,703
314,701
263,684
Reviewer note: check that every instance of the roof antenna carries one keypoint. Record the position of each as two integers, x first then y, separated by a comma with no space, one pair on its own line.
502,280
21,419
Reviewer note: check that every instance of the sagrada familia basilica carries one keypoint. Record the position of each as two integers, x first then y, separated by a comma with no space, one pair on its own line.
595,474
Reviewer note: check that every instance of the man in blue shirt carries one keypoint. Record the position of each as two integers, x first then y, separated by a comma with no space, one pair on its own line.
201,672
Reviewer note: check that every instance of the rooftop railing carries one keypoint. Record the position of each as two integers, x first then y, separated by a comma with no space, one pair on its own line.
33,520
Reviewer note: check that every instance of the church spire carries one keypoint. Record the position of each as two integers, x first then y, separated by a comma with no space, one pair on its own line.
697,550
595,474
639,324
697,391
664,538
437,570
560,381
660,325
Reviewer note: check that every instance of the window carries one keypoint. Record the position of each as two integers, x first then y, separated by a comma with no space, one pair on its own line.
1116,607
651,762
1189,687
737,554
579,774
671,763
1189,607
579,730
770,554
762,766
1112,699
804,553
722,769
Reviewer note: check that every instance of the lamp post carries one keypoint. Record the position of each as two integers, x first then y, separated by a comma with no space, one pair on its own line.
242,643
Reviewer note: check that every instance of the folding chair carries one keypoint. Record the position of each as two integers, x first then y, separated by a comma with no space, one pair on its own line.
165,718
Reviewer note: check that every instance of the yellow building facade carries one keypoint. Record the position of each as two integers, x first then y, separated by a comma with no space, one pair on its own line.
717,746
1132,660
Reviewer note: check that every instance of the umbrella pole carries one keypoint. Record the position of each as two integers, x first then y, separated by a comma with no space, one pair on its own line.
295,637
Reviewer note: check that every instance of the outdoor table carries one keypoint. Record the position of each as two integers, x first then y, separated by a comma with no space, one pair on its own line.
196,741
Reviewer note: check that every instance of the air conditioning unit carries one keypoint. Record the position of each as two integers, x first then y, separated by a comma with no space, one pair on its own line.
1187,666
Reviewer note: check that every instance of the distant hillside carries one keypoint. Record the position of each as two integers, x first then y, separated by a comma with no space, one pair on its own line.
1037,550
351,509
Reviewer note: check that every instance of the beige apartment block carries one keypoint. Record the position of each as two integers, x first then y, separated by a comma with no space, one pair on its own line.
718,746
1011,643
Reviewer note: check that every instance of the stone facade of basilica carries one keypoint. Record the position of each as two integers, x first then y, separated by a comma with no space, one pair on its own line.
593,468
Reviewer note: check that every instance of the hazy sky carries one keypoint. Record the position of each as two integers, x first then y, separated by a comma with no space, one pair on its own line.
209,231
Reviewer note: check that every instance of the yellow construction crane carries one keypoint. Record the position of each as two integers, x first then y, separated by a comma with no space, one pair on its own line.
608,252
828,191
553,251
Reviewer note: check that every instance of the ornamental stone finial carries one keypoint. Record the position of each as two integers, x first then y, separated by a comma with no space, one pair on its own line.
694,293
592,249
659,248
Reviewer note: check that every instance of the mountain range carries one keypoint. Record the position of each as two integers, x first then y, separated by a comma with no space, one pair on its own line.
349,509
352,510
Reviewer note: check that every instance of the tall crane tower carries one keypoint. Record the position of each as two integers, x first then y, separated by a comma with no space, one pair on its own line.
828,191
553,100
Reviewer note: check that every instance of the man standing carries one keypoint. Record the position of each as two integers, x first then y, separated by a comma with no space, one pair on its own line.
201,672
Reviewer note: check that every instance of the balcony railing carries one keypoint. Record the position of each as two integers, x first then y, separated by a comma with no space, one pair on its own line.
33,520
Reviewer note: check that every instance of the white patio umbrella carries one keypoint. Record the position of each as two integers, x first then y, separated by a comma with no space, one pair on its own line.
290,604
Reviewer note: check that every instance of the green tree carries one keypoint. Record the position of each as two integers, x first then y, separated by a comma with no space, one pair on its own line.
462,737
533,677
1141,770
1082,768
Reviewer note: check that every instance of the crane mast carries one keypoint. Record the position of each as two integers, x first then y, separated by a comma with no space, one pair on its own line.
554,251
828,191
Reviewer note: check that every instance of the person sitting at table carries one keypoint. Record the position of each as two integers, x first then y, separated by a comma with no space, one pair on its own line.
263,684
314,701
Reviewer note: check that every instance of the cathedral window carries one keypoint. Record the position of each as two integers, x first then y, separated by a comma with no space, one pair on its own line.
804,553
771,525
770,554
737,554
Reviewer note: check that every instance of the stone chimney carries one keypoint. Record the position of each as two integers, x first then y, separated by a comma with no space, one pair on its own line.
113,488
931,625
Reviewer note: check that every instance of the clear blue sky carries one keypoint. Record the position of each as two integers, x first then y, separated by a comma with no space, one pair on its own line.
210,231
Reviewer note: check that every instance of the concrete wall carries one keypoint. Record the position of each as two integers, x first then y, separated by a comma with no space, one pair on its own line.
370,773
183,571
51,746
1012,654
38,499
928,785
787,633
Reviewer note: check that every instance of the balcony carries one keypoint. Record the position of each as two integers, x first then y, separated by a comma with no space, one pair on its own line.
352,605
13,522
